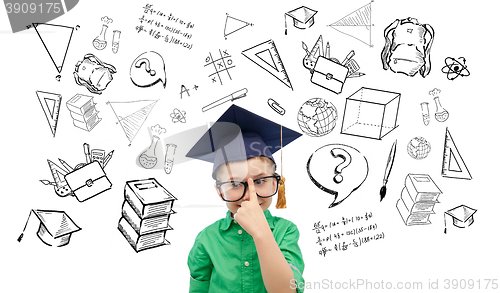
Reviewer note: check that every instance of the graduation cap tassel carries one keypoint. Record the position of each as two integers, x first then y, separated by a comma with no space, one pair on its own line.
22,234
445,223
285,26
281,203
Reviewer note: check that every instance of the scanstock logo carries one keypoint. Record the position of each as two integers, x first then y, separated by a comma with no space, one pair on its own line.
23,14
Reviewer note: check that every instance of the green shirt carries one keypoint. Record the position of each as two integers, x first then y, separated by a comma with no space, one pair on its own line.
224,257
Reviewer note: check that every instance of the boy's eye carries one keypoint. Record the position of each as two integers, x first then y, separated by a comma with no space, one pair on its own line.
235,184
259,181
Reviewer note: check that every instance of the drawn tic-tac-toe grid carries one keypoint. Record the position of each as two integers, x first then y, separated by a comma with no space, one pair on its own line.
220,65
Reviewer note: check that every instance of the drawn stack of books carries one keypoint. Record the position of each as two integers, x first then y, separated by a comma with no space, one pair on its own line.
146,212
418,198
83,111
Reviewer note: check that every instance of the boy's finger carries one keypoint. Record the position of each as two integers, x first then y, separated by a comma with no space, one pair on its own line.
251,188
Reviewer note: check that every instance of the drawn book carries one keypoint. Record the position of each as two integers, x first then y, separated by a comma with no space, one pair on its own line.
148,225
80,103
412,218
148,198
141,242
417,207
85,116
421,187
89,124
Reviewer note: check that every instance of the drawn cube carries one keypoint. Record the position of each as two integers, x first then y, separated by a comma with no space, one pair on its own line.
370,113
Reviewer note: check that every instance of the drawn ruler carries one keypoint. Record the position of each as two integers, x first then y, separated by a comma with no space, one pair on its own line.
51,105
61,186
267,57
311,58
453,164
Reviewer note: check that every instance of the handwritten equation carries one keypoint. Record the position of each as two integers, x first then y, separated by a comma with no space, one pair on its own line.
341,235
167,27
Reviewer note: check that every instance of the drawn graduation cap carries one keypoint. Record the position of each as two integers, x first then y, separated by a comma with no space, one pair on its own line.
303,17
55,227
240,135
462,216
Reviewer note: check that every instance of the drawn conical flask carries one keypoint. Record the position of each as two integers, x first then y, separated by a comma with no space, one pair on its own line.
169,157
441,113
148,159
100,41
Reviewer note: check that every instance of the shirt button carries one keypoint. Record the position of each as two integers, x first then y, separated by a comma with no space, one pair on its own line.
239,231
235,222
247,263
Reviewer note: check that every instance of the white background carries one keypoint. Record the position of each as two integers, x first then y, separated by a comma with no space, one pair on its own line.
99,259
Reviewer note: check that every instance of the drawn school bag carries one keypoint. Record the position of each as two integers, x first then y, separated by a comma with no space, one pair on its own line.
94,74
407,47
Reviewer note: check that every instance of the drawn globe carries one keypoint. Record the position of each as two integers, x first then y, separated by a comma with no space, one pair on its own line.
418,148
317,117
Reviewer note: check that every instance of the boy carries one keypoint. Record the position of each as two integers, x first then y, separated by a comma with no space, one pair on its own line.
249,250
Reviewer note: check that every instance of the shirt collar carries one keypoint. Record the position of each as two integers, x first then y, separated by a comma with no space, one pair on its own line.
226,223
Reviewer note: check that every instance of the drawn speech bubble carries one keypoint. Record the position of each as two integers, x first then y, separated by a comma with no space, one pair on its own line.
148,69
328,162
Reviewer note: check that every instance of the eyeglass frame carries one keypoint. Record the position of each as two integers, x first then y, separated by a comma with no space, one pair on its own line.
245,183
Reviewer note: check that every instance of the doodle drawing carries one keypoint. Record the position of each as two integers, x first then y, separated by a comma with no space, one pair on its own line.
178,116
148,69
88,181
93,73
116,41
230,98
455,68
55,227
222,64
233,25
357,24
303,17
418,148
453,164
337,169
425,113
275,106
56,40
418,198
169,157
407,47
388,168
83,111
267,57
132,115
50,103
317,117
462,216
371,113
60,185
146,212
148,158
100,41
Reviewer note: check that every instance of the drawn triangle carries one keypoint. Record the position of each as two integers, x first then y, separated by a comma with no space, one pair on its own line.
50,105
132,115
357,24
266,57
233,24
56,40
453,163
276,68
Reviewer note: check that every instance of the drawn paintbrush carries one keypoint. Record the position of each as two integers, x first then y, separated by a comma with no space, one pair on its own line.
388,168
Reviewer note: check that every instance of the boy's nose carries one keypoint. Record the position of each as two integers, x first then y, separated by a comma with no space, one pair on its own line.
246,196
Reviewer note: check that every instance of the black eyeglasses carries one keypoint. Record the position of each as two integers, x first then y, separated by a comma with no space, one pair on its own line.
235,190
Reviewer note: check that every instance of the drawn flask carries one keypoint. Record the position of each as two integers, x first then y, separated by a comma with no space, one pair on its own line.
441,113
169,157
100,41
148,158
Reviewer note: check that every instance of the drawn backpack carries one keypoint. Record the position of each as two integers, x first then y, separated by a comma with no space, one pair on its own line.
94,74
407,47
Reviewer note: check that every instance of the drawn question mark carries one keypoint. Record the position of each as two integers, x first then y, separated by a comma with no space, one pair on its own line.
147,66
77,27
340,153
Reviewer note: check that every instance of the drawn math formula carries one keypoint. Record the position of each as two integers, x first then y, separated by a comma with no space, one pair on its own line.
165,26
342,235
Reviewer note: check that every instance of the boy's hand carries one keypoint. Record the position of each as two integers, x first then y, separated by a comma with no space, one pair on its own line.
250,215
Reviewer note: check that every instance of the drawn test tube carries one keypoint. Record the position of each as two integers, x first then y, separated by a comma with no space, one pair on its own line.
116,41
425,113
169,157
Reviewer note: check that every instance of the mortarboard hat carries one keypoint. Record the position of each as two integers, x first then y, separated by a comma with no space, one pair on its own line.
55,227
462,216
303,17
240,135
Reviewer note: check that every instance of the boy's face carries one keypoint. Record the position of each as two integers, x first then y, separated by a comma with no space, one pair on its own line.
242,170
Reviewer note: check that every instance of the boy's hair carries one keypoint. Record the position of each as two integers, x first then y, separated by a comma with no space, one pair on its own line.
260,158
